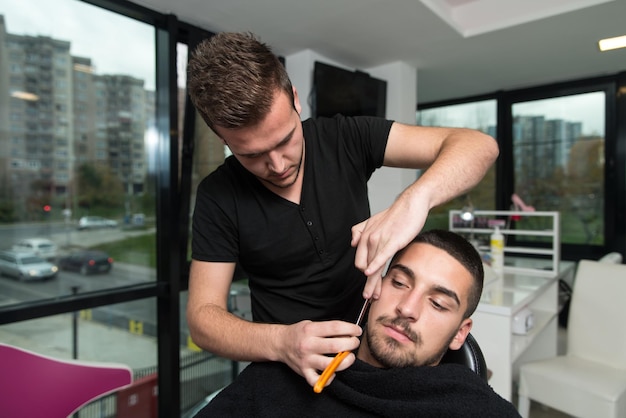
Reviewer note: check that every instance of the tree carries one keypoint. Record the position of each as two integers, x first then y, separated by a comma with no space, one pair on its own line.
584,185
98,188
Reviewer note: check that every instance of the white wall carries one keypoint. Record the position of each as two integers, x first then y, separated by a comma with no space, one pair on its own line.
386,183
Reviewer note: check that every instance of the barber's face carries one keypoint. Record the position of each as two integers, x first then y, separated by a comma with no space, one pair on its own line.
419,314
272,150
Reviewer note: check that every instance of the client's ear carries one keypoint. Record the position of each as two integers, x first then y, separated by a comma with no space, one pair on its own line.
461,334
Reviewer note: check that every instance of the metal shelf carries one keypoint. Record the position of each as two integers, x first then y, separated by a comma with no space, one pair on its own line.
553,233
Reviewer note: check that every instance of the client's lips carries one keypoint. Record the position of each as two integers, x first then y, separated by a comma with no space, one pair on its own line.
397,334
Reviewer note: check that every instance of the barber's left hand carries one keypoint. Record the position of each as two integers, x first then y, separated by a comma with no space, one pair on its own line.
378,238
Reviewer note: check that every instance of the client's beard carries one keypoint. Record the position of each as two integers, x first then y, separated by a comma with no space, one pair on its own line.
391,353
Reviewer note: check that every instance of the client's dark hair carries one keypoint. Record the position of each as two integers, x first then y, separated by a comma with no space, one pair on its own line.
464,252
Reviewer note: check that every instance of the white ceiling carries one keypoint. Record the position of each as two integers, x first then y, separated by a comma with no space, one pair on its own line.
497,44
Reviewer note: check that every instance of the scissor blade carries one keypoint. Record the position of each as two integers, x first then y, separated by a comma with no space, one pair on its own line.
362,313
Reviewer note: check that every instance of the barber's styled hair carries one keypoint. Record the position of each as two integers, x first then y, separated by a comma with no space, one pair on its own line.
464,252
232,78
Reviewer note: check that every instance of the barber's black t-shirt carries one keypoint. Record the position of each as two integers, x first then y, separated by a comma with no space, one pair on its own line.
298,258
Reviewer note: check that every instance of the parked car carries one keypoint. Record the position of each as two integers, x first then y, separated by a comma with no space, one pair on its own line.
93,222
41,247
26,266
87,262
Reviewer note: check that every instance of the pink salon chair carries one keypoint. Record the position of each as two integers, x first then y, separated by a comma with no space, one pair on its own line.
37,386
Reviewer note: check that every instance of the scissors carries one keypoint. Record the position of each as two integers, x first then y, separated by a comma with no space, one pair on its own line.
330,369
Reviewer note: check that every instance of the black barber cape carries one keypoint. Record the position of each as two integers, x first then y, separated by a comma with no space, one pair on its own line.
274,390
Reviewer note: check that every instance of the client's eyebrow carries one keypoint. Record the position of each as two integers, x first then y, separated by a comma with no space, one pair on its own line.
448,292
437,288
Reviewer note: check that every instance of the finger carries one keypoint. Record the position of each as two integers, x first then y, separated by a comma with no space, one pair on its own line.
318,386
346,362
329,371
361,256
325,380
357,231
373,286
335,345
378,262
335,328
379,286
314,369
311,376
367,251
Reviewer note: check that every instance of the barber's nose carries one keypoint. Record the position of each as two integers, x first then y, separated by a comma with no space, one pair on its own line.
276,162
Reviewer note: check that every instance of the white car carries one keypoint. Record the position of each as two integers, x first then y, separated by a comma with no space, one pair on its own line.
93,222
41,247
26,266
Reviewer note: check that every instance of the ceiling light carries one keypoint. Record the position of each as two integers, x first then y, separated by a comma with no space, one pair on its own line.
612,43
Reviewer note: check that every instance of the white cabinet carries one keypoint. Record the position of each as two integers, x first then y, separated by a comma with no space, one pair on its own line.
504,298
527,283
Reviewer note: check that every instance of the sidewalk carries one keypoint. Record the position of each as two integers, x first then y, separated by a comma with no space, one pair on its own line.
52,336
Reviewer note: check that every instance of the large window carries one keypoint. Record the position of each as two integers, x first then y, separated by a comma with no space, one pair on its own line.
77,188
559,151
74,158
559,161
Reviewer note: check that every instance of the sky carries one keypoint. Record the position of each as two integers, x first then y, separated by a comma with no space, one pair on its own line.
588,108
115,44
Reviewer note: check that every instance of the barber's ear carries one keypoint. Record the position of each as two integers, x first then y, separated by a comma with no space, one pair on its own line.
296,101
461,334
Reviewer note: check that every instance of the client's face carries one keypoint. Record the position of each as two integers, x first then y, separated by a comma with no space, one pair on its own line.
419,314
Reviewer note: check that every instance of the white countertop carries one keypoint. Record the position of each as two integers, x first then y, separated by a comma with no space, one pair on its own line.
507,293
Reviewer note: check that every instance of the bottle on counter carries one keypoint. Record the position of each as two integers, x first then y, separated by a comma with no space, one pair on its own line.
497,250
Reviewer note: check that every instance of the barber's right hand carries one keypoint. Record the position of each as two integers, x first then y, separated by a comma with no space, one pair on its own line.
307,347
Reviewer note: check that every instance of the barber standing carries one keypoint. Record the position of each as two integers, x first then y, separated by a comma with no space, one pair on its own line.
290,206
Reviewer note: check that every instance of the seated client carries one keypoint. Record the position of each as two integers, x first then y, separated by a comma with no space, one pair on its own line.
429,292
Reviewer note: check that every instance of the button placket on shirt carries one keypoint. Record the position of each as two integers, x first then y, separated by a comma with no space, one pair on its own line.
312,230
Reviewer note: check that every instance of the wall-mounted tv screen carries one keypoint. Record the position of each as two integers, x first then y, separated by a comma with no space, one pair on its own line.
350,93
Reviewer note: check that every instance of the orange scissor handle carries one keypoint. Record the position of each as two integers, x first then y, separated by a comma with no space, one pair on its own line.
329,370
